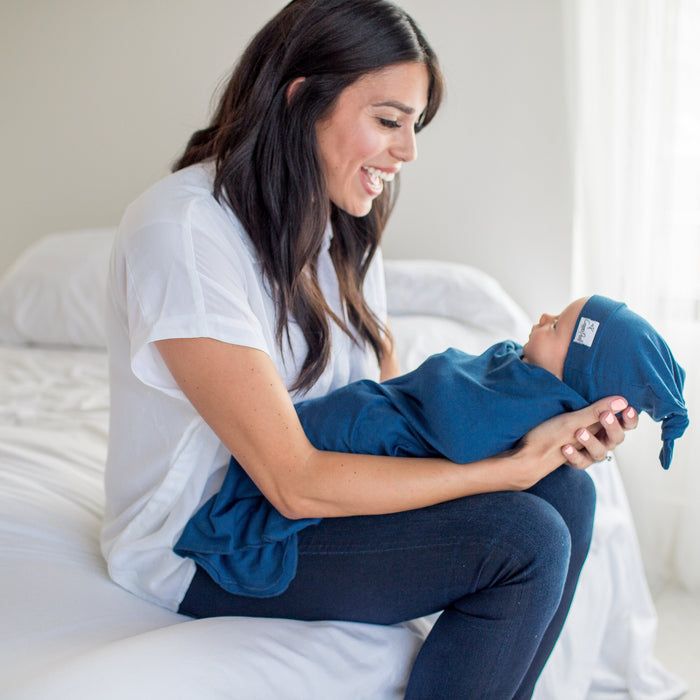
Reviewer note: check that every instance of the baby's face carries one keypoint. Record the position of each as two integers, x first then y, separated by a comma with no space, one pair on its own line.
549,339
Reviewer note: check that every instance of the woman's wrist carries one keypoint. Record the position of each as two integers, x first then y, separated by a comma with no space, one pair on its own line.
512,470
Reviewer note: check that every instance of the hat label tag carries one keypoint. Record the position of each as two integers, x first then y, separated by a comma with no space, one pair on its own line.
585,333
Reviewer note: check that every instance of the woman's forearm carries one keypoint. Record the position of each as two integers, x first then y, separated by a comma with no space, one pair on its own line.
337,484
333,484
240,395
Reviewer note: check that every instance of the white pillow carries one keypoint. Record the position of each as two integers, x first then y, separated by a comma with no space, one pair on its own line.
54,292
417,336
454,291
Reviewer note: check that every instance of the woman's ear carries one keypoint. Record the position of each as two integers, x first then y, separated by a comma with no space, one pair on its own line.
293,87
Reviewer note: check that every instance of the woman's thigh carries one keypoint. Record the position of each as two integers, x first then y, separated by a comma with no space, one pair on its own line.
388,568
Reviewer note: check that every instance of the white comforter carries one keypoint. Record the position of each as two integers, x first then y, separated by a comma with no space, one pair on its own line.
68,632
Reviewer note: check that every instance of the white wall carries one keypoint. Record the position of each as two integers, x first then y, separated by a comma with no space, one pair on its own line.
98,97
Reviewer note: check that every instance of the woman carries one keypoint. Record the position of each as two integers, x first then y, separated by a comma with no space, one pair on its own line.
251,277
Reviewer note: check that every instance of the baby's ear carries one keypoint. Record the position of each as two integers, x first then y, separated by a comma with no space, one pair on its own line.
292,88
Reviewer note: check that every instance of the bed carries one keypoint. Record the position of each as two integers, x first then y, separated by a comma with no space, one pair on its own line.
67,631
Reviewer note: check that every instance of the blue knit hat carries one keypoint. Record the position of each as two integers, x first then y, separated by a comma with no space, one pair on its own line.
615,351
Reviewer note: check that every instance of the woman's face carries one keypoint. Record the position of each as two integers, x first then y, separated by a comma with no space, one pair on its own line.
370,133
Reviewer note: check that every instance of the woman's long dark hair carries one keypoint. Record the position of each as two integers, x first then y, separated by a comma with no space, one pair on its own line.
267,164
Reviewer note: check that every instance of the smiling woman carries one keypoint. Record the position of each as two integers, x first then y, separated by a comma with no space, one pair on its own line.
252,277
289,97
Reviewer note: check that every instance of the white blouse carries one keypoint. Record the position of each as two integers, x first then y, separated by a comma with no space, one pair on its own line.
183,267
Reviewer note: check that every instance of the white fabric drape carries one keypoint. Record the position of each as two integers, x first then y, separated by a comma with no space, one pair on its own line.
634,72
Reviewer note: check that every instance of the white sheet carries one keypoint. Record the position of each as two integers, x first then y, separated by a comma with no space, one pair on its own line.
69,632
67,629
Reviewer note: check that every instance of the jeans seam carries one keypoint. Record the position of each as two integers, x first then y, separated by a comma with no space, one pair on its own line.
511,628
318,550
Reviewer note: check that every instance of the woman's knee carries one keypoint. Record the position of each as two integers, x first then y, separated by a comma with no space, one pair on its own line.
572,494
523,562
547,541
529,533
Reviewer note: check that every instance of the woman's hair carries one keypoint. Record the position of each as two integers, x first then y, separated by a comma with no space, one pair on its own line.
267,164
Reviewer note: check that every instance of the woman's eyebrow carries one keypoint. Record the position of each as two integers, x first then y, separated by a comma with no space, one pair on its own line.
396,105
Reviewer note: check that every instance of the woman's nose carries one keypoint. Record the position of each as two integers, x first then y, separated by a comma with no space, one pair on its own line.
406,148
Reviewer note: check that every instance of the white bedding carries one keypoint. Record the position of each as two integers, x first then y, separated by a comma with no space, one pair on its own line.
69,632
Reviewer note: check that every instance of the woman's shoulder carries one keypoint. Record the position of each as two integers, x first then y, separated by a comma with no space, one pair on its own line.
172,196
182,206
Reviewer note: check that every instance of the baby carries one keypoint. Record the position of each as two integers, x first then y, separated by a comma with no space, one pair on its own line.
463,407
468,407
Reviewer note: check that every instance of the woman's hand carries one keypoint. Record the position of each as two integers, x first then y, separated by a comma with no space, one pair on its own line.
594,442
579,438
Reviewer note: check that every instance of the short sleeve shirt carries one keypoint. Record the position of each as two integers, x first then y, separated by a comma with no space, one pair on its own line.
183,267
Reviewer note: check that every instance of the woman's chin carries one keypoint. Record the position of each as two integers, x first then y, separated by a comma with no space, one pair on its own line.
357,209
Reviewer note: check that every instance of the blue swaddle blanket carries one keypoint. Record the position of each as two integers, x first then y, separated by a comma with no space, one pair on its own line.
463,407
460,406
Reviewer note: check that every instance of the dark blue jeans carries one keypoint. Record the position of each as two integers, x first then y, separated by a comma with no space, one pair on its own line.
502,567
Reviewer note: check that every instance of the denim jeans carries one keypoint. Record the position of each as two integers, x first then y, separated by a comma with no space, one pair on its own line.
502,567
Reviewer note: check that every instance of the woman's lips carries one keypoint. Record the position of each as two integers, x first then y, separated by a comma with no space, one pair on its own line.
374,178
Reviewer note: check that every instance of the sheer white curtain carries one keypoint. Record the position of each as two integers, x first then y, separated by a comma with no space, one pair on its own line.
634,70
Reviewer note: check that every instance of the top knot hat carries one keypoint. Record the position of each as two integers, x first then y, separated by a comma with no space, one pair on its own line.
615,351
